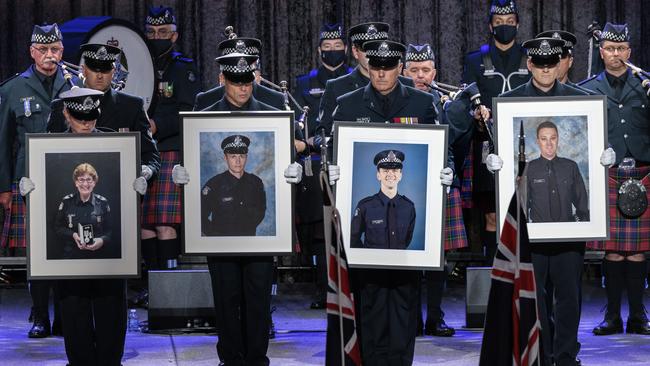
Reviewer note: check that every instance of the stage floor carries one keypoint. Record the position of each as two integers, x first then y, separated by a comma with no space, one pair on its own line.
301,337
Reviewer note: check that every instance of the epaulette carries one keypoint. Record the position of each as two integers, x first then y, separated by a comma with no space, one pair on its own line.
181,58
367,199
586,80
100,197
8,79
407,199
68,196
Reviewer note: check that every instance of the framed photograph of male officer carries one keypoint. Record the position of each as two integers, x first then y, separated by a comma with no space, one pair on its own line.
236,201
563,138
82,216
389,196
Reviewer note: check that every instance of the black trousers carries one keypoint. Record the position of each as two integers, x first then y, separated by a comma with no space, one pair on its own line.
242,297
561,272
40,293
312,241
93,313
388,315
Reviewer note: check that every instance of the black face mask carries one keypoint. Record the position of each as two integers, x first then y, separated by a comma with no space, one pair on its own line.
332,58
159,46
504,33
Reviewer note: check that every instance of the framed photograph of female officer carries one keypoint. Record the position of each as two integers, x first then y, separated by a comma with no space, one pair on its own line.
561,140
237,201
389,194
83,214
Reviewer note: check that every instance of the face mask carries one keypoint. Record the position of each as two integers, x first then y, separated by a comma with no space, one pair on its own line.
159,46
332,58
504,33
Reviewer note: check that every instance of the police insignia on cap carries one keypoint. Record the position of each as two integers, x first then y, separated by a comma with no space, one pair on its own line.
557,35
102,54
88,103
242,65
240,46
391,156
166,13
545,47
383,50
372,30
237,141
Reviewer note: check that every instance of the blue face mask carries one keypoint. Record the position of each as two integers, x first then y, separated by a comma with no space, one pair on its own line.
504,33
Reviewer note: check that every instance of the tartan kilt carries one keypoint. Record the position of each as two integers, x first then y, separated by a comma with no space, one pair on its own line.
162,203
455,236
466,183
626,235
16,233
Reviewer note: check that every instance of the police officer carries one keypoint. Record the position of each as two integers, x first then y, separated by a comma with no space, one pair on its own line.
496,67
420,66
358,78
627,122
309,200
247,46
119,110
233,202
554,184
24,107
177,83
559,264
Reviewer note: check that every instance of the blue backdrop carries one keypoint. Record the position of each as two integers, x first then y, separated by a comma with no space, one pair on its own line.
413,184
260,162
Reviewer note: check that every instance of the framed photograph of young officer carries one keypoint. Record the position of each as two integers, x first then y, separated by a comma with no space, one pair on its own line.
389,196
82,216
236,201
561,139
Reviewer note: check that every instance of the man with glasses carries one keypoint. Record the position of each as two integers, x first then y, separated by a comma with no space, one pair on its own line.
627,122
24,108
177,83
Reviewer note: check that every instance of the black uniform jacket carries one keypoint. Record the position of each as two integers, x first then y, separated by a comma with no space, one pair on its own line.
73,212
571,191
24,108
231,206
628,117
260,92
385,223
182,84
338,87
118,110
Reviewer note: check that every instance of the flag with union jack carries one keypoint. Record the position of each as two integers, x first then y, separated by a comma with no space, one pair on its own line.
512,327
342,345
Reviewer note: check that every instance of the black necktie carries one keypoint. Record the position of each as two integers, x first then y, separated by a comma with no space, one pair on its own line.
553,194
392,225
48,84
385,105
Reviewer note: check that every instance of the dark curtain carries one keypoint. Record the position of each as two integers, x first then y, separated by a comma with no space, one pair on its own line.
289,29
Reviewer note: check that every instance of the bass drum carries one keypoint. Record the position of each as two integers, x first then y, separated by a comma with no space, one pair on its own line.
135,60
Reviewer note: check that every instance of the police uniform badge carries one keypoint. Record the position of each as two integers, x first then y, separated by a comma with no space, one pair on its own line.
383,50
240,46
545,47
372,30
166,89
632,199
27,105
191,76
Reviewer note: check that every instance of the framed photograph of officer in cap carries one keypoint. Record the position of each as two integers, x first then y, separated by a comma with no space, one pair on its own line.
389,196
236,201
561,140
83,214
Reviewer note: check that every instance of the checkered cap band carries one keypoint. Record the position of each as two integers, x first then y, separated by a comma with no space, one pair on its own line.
87,105
245,50
161,19
614,37
384,53
236,144
368,36
331,35
390,158
242,67
101,55
503,10
543,51
419,56
45,38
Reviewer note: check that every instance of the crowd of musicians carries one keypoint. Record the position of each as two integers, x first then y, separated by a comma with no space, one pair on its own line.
391,83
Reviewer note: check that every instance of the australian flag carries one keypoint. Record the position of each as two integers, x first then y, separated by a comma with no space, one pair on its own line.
342,347
512,327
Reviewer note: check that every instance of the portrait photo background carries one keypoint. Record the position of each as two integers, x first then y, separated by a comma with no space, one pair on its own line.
58,170
413,184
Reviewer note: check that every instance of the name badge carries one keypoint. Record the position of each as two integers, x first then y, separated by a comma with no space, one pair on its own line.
542,180
377,222
226,199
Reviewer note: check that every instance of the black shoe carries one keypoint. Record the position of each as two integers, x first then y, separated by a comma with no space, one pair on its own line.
40,329
638,324
610,325
141,300
317,305
439,329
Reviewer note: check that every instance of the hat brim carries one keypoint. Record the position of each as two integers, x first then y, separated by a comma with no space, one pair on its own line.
389,165
235,150
545,60
96,65
244,77
385,63
85,116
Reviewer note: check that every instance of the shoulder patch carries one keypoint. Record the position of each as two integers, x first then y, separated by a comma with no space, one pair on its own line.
407,199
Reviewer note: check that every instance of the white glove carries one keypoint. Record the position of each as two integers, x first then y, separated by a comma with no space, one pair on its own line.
446,176
140,185
180,175
25,186
608,157
146,172
334,171
293,173
493,163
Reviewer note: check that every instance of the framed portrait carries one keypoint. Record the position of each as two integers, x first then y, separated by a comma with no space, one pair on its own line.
566,186
389,194
237,201
83,217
